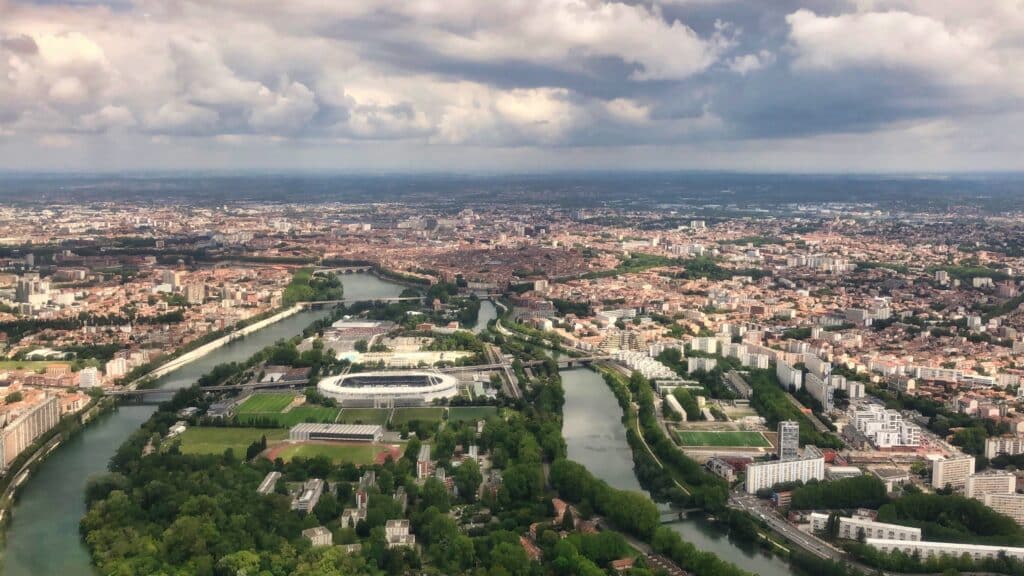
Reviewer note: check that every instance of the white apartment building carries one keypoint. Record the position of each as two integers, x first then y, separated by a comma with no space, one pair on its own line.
884,428
707,344
929,550
761,361
23,431
1004,445
1011,505
850,528
817,366
706,364
952,472
88,377
789,377
820,390
854,389
936,374
644,364
767,474
992,482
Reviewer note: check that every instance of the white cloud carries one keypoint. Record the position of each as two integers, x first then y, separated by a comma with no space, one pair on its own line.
627,110
108,118
894,40
748,63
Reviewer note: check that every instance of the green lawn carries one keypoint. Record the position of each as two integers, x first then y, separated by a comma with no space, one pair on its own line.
711,438
364,416
357,454
406,415
265,403
296,415
34,365
200,440
471,413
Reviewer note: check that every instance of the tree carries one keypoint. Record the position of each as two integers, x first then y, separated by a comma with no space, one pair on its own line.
13,397
468,479
568,522
434,494
361,346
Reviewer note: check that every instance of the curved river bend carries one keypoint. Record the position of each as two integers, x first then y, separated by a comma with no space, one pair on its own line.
43,537
595,437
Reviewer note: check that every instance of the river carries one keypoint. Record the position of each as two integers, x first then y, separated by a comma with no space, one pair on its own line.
43,537
488,311
595,437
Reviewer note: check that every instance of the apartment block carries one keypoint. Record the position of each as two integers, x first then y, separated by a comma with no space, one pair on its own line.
992,482
768,474
952,472
26,428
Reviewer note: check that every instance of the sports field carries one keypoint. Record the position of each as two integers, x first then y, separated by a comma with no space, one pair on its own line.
364,416
296,415
265,403
406,415
471,413
359,454
201,440
711,438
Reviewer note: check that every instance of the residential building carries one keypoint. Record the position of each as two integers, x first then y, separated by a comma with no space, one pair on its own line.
1011,505
952,472
268,483
991,482
318,536
26,428
1010,445
884,428
307,497
929,550
767,474
396,532
852,527
789,440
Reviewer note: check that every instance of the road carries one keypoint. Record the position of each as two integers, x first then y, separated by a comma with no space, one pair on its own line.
818,424
762,510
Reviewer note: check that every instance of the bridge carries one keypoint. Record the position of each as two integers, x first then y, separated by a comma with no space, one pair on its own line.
125,393
387,299
352,269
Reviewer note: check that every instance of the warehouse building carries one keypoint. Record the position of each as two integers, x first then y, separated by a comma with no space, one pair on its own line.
336,432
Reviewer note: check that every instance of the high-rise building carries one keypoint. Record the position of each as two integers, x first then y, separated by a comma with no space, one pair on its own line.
1011,445
1011,505
88,377
767,474
24,430
952,472
789,440
992,482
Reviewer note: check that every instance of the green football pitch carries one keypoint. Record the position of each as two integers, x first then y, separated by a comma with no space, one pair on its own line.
712,438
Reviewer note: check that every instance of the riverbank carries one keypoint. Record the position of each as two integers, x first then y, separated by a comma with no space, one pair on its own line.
69,427
179,359
44,536
143,376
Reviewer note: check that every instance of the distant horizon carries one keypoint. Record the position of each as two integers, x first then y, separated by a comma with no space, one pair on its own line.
806,86
241,172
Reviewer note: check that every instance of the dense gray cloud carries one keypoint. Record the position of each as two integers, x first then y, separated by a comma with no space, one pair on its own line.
512,84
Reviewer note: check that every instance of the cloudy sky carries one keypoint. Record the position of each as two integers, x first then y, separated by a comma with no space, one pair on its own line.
520,85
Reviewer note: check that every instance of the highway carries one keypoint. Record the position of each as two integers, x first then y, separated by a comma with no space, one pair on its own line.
762,510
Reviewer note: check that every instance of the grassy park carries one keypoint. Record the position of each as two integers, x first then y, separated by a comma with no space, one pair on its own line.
364,416
406,415
262,403
201,440
296,415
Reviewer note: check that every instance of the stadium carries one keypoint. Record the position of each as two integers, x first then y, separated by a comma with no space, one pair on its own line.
388,389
